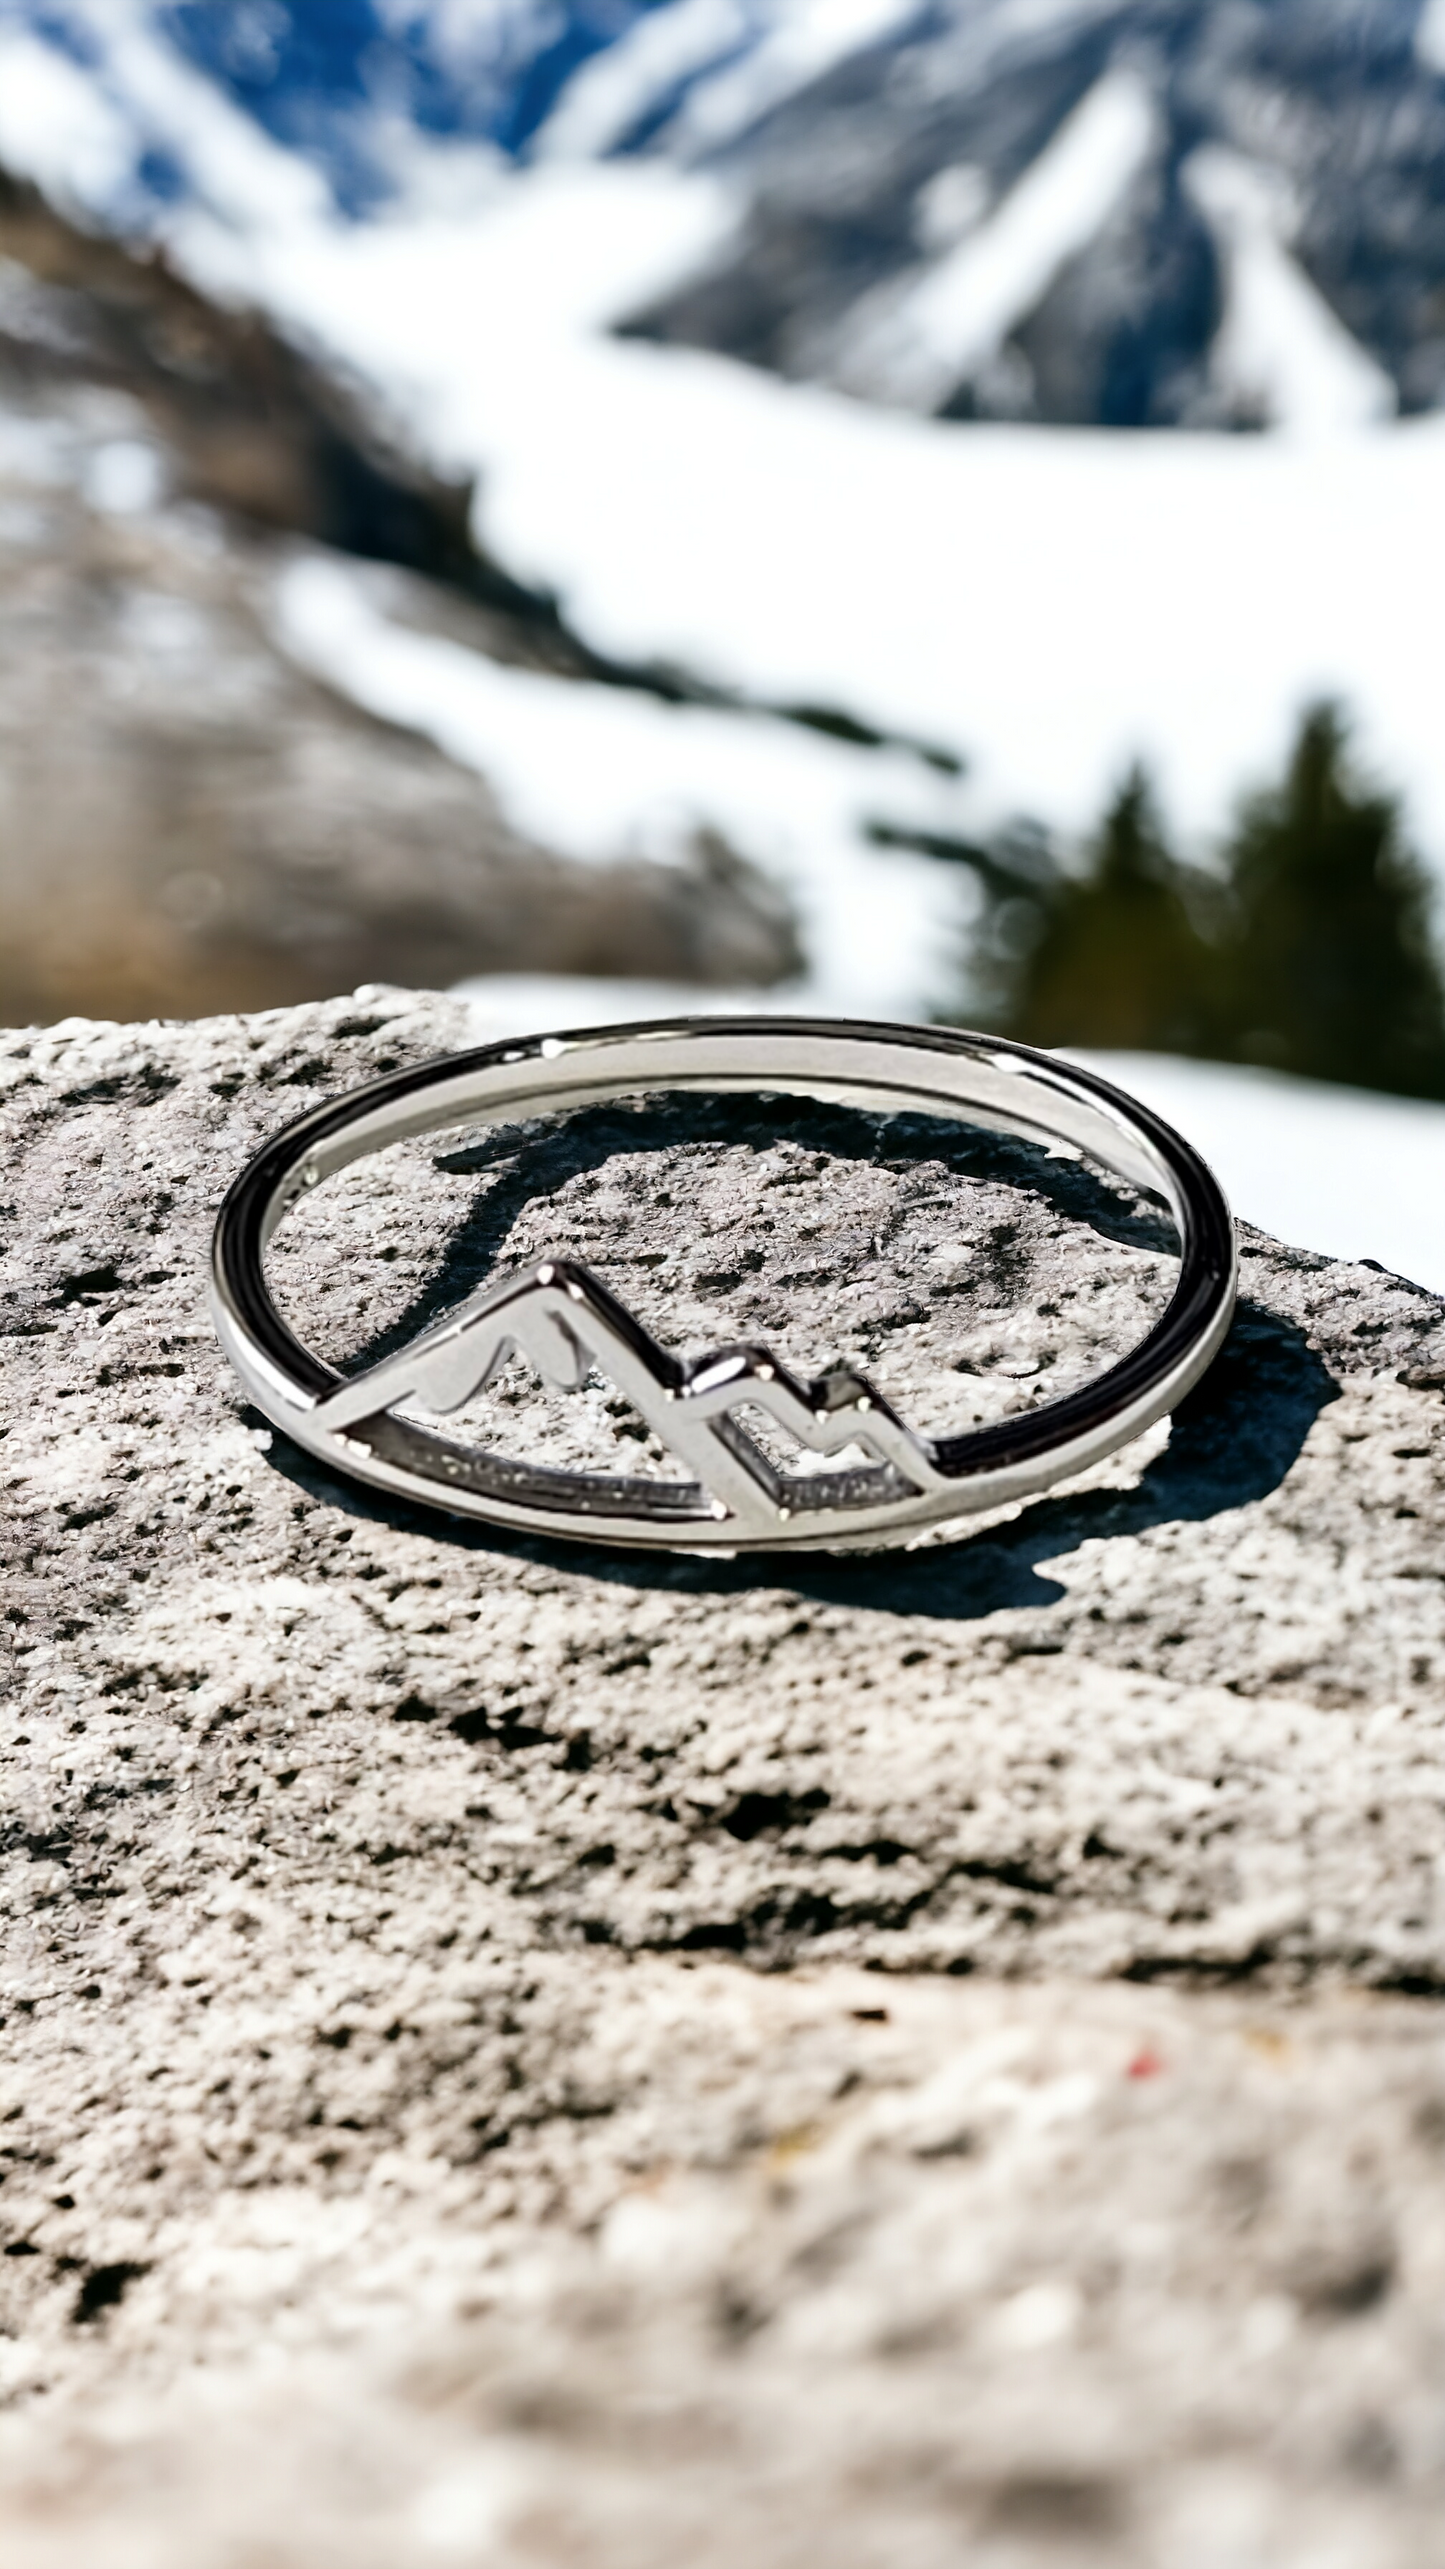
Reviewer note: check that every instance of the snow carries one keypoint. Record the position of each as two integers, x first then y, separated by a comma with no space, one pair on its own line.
944,327
246,179
534,1003
57,128
434,309
83,136
1430,35
1280,352
1337,1169
601,774
1333,1169
126,477
949,204
637,73
1052,602
807,37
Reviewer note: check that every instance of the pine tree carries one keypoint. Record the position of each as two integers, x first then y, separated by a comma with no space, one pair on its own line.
1308,949
1117,959
1326,967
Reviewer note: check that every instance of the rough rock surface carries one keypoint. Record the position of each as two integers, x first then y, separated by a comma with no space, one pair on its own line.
524,2055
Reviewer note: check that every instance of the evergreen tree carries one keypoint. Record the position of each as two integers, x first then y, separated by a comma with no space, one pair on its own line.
1326,966
1309,950
1116,958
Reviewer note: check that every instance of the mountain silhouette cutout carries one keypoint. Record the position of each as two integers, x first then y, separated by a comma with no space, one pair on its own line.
565,1323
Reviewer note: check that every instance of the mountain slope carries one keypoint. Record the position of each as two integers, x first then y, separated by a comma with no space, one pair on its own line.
1119,212
1244,144
1050,605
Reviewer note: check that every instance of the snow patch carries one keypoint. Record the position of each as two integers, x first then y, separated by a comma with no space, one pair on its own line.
602,774
614,90
56,127
941,330
500,1004
949,205
1430,35
126,477
1280,352
806,39
1336,1169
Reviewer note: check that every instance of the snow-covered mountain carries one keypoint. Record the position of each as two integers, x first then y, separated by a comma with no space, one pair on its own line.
1123,212
537,239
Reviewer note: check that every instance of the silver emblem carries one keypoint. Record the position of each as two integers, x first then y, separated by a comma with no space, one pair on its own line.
565,1323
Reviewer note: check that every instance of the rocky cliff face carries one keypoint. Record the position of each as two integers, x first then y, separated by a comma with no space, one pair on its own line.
186,820
525,2055
943,220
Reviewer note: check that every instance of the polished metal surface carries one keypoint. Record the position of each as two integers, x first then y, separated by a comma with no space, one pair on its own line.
565,1322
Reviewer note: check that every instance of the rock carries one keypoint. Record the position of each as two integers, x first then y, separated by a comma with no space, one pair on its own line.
880,202
536,2055
246,423
188,821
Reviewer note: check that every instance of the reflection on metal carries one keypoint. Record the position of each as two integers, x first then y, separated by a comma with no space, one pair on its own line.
714,1414
565,1323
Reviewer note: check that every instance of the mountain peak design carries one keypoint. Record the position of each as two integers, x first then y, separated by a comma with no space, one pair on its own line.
565,1323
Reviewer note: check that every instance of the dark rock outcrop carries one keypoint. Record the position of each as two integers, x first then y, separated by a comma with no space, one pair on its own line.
189,822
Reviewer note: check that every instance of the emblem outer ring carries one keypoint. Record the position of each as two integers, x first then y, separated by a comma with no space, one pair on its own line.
560,1315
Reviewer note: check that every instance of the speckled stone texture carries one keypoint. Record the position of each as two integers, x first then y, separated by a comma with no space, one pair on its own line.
530,2056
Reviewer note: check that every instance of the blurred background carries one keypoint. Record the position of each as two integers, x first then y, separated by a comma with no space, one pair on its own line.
927,508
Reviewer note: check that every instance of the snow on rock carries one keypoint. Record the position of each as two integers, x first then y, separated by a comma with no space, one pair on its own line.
57,127
639,71
1280,352
602,774
937,333
802,42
